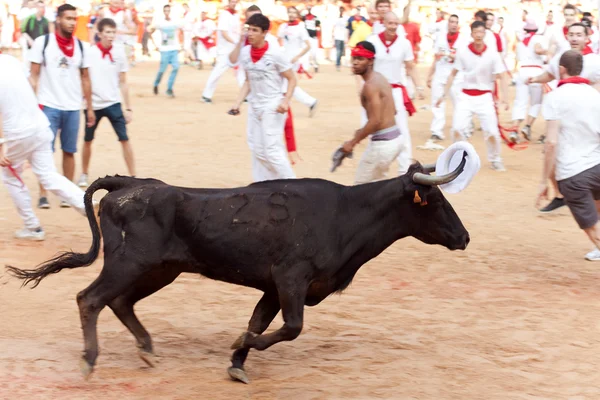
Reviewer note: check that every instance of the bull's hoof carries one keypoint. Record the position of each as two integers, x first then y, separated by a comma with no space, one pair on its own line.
86,368
238,374
148,358
241,342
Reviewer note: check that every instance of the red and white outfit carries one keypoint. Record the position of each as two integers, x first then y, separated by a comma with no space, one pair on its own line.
28,139
105,70
295,36
389,60
265,125
446,43
591,66
204,30
531,64
228,22
479,71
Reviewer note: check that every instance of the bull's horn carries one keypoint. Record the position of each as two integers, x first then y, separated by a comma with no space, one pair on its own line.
429,168
424,179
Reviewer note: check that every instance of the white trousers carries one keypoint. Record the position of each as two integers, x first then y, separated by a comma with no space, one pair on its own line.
37,150
314,47
483,107
438,123
221,66
269,155
303,97
376,160
527,95
404,158
203,54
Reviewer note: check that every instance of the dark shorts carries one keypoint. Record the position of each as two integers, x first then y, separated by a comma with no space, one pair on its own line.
115,115
581,192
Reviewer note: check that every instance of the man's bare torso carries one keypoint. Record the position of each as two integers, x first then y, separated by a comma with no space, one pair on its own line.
382,89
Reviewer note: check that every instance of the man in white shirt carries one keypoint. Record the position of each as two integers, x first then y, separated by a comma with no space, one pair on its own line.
267,69
559,41
25,136
481,66
228,35
383,7
295,41
392,52
189,19
572,146
108,68
59,75
169,48
203,31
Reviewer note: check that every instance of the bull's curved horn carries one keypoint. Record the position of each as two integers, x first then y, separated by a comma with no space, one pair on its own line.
424,179
429,168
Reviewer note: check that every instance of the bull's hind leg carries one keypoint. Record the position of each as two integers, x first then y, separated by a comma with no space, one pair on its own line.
123,304
264,312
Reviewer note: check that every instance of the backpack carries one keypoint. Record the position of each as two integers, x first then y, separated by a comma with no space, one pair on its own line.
47,40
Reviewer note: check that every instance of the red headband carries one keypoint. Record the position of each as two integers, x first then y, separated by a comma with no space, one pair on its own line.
360,51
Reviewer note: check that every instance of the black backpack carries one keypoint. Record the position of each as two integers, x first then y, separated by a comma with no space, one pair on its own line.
47,40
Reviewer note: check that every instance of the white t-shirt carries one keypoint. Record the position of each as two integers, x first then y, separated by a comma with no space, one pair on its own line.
478,71
527,54
204,29
273,44
340,30
59,85
577,107
294,38
21,116
168,34
591,67
229,23
378,27
104,75
391,64
188,21
266,82
489,40
443,67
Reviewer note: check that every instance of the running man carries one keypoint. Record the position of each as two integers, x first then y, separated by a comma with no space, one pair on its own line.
572,146
203,31
60,77
376,97
25,135
108,71
267,69
169,49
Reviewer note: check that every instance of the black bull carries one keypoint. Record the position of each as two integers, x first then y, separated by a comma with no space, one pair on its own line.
298,241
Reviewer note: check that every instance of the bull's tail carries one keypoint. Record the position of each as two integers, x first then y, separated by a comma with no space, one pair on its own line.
69,259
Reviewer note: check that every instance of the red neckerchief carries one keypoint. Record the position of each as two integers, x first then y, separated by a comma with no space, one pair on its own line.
231,11
293,23
549,23
586,50
439,19
309,17
573,79
115,10
385,42
67,46
452,37
370,23
358,18
477,53
527,38
565,31
105,51
256,54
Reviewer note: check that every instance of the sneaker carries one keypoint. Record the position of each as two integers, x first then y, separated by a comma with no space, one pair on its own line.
593,255
498,166
83,181
553,205
436,138
170,93
36,234
206,100
526,132
155,90
514,137
64,204
541,139
313,109
43,203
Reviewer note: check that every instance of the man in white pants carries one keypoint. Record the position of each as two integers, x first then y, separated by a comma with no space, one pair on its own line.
572,147
441,68
531,50
25,135
203,31
228,35
267,70
295,41
391,53
481,66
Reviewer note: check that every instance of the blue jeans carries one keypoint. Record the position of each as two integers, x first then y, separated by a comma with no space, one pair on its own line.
68,124
168,57
339,47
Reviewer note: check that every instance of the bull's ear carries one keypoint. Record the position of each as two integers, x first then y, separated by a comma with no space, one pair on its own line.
417,199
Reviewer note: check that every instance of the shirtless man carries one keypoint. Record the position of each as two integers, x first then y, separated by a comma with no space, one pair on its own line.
377,99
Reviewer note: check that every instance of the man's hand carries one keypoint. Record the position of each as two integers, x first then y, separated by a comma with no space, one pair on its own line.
4,162
348,146
128,116
283,107
439,101
91,118
530,80
542,194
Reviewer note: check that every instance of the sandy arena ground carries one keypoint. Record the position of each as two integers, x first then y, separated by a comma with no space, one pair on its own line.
513,317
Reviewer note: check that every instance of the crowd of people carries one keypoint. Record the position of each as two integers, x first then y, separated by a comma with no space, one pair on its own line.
468,62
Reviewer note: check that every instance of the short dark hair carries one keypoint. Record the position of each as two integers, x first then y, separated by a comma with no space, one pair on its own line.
477,24
367,46
570,7
572,61
261,21
64,8
378,2
588,24
104,22
587,14
481,15
585,28
166,6
489,14
454,16
254,8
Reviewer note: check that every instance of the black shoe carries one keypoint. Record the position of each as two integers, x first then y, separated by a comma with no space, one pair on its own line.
542,139
43,203
554,204
155,90
206,100
170,93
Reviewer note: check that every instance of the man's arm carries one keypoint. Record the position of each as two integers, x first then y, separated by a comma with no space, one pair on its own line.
374,107
244,91
86,86
447,87
412,72
291,78
405,13
125,96
431,71
552,128
539,49
34,76
542,78
305,50
234,56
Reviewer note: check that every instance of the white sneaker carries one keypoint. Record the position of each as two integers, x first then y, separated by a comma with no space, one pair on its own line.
593,255
83,181
497,166
37,234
